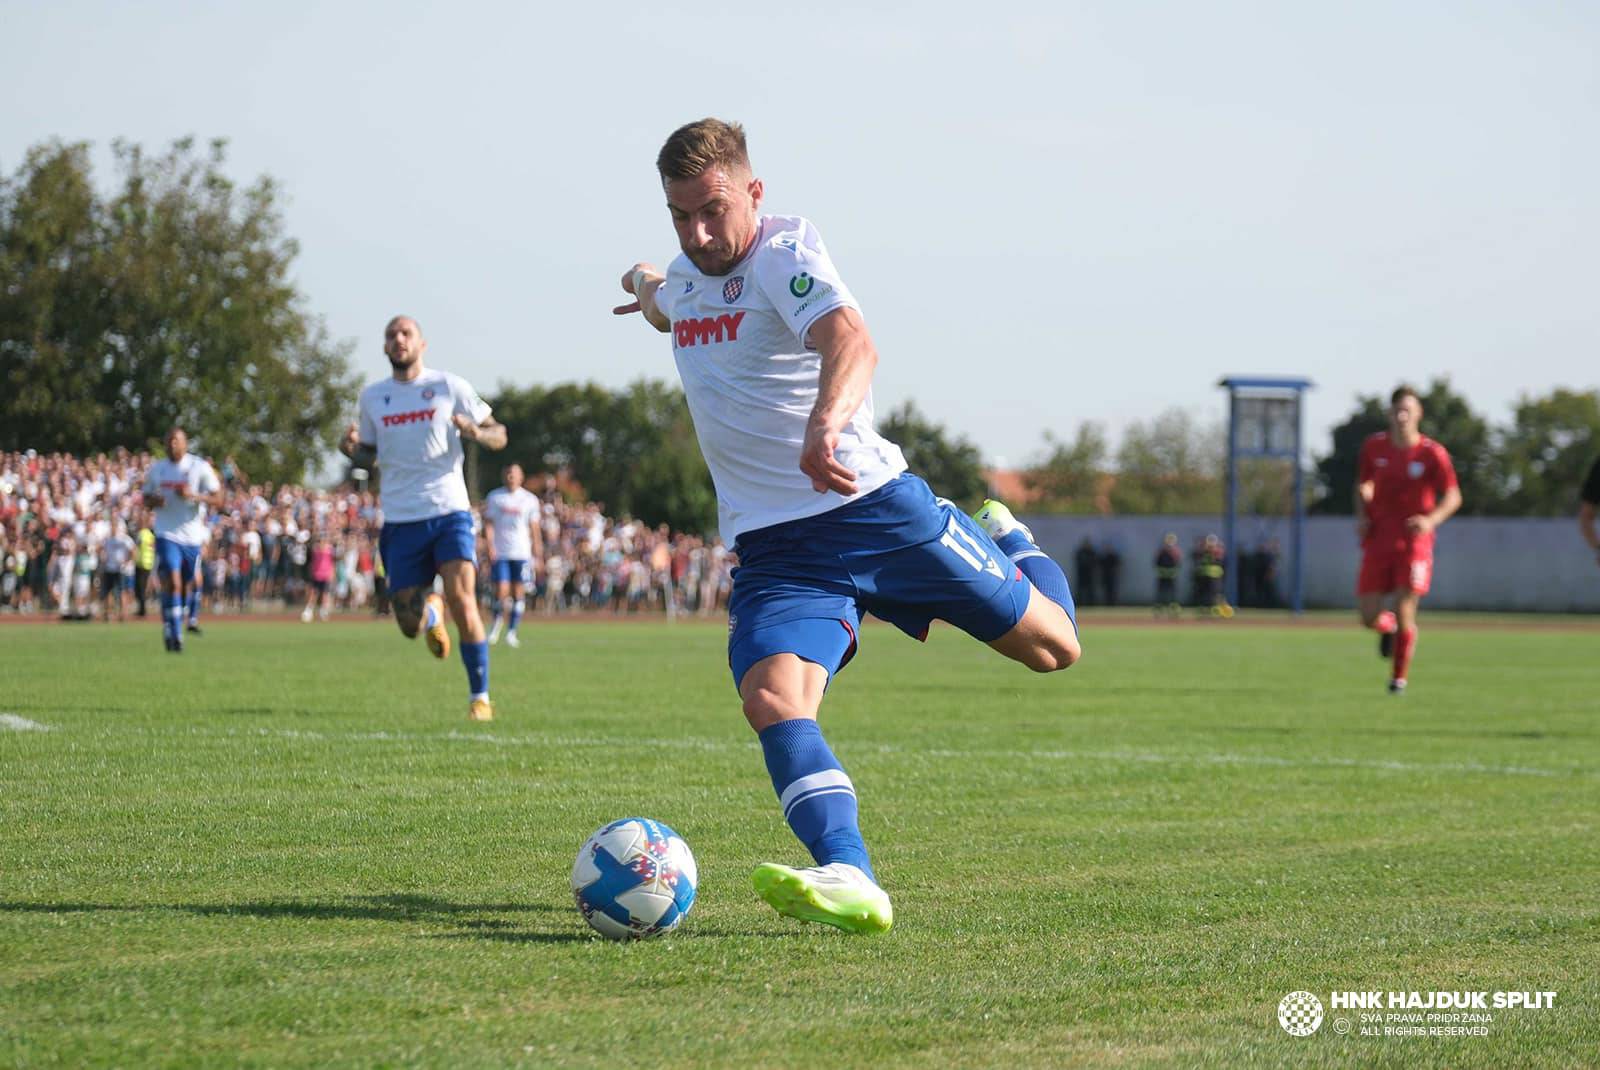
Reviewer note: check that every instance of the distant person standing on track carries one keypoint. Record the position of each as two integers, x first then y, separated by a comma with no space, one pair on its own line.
1085,562
1586,510
1169,566
1110,572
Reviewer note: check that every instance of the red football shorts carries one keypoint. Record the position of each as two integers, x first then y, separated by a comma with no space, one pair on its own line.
1383,571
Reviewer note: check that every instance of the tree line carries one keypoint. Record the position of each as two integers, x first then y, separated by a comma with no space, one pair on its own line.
169,299
1531,466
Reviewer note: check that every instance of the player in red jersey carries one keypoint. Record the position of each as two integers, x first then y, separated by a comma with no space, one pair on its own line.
1405,488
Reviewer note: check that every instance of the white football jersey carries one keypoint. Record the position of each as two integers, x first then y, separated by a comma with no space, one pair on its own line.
740,344
419,448
511,512
182,520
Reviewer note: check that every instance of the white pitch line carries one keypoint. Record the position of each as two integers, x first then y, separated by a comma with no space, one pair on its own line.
11,722
1382,765
1152,757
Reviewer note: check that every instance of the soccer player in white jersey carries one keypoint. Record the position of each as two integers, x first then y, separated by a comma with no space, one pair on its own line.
411,426
777,365
179,489
511,514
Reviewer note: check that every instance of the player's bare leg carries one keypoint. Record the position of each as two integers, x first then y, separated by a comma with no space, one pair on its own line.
409,607
781,696
461,594
1405,638
1380,620
514,607
1044,640
502,610
782,688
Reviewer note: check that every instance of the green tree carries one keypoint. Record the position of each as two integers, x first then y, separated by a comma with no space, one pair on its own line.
1447,418
633,449
1071,476
169,301
1171,464
951,464
1336,472
1548,449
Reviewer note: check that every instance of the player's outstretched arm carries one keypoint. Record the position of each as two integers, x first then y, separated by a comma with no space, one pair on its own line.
490,434
1363,501
848,361
642,281
1449,502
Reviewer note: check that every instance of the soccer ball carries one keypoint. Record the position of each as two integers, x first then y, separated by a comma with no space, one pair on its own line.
634,878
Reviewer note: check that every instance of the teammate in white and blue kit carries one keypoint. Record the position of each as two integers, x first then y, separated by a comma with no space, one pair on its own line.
827,523
179,489
411,426
511,516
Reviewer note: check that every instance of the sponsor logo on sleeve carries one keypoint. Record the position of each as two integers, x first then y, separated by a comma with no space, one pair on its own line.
801,284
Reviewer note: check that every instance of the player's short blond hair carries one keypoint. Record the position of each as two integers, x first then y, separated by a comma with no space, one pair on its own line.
697,147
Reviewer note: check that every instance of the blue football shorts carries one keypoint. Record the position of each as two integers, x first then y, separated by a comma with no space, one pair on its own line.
507,570
898,553
177,557
413,551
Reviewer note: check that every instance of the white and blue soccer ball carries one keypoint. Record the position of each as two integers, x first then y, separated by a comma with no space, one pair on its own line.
634,878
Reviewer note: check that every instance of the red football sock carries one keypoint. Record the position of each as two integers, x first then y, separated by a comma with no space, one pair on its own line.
1385,622
1404,643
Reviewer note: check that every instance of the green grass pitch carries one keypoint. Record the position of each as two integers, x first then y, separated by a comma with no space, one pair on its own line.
288,847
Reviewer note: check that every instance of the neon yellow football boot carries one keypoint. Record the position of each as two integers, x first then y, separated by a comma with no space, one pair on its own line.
480,710
837,894
994,518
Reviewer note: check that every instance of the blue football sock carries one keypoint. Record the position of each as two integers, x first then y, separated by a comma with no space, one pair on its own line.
516,613
818,800
1042,572
172,616
194,606
494,621
475,656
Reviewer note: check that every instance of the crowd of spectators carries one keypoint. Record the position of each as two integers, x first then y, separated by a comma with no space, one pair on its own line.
75,540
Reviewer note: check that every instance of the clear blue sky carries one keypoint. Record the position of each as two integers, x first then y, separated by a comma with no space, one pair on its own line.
1051,212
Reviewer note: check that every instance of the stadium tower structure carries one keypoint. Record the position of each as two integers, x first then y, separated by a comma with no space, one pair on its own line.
1266,419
